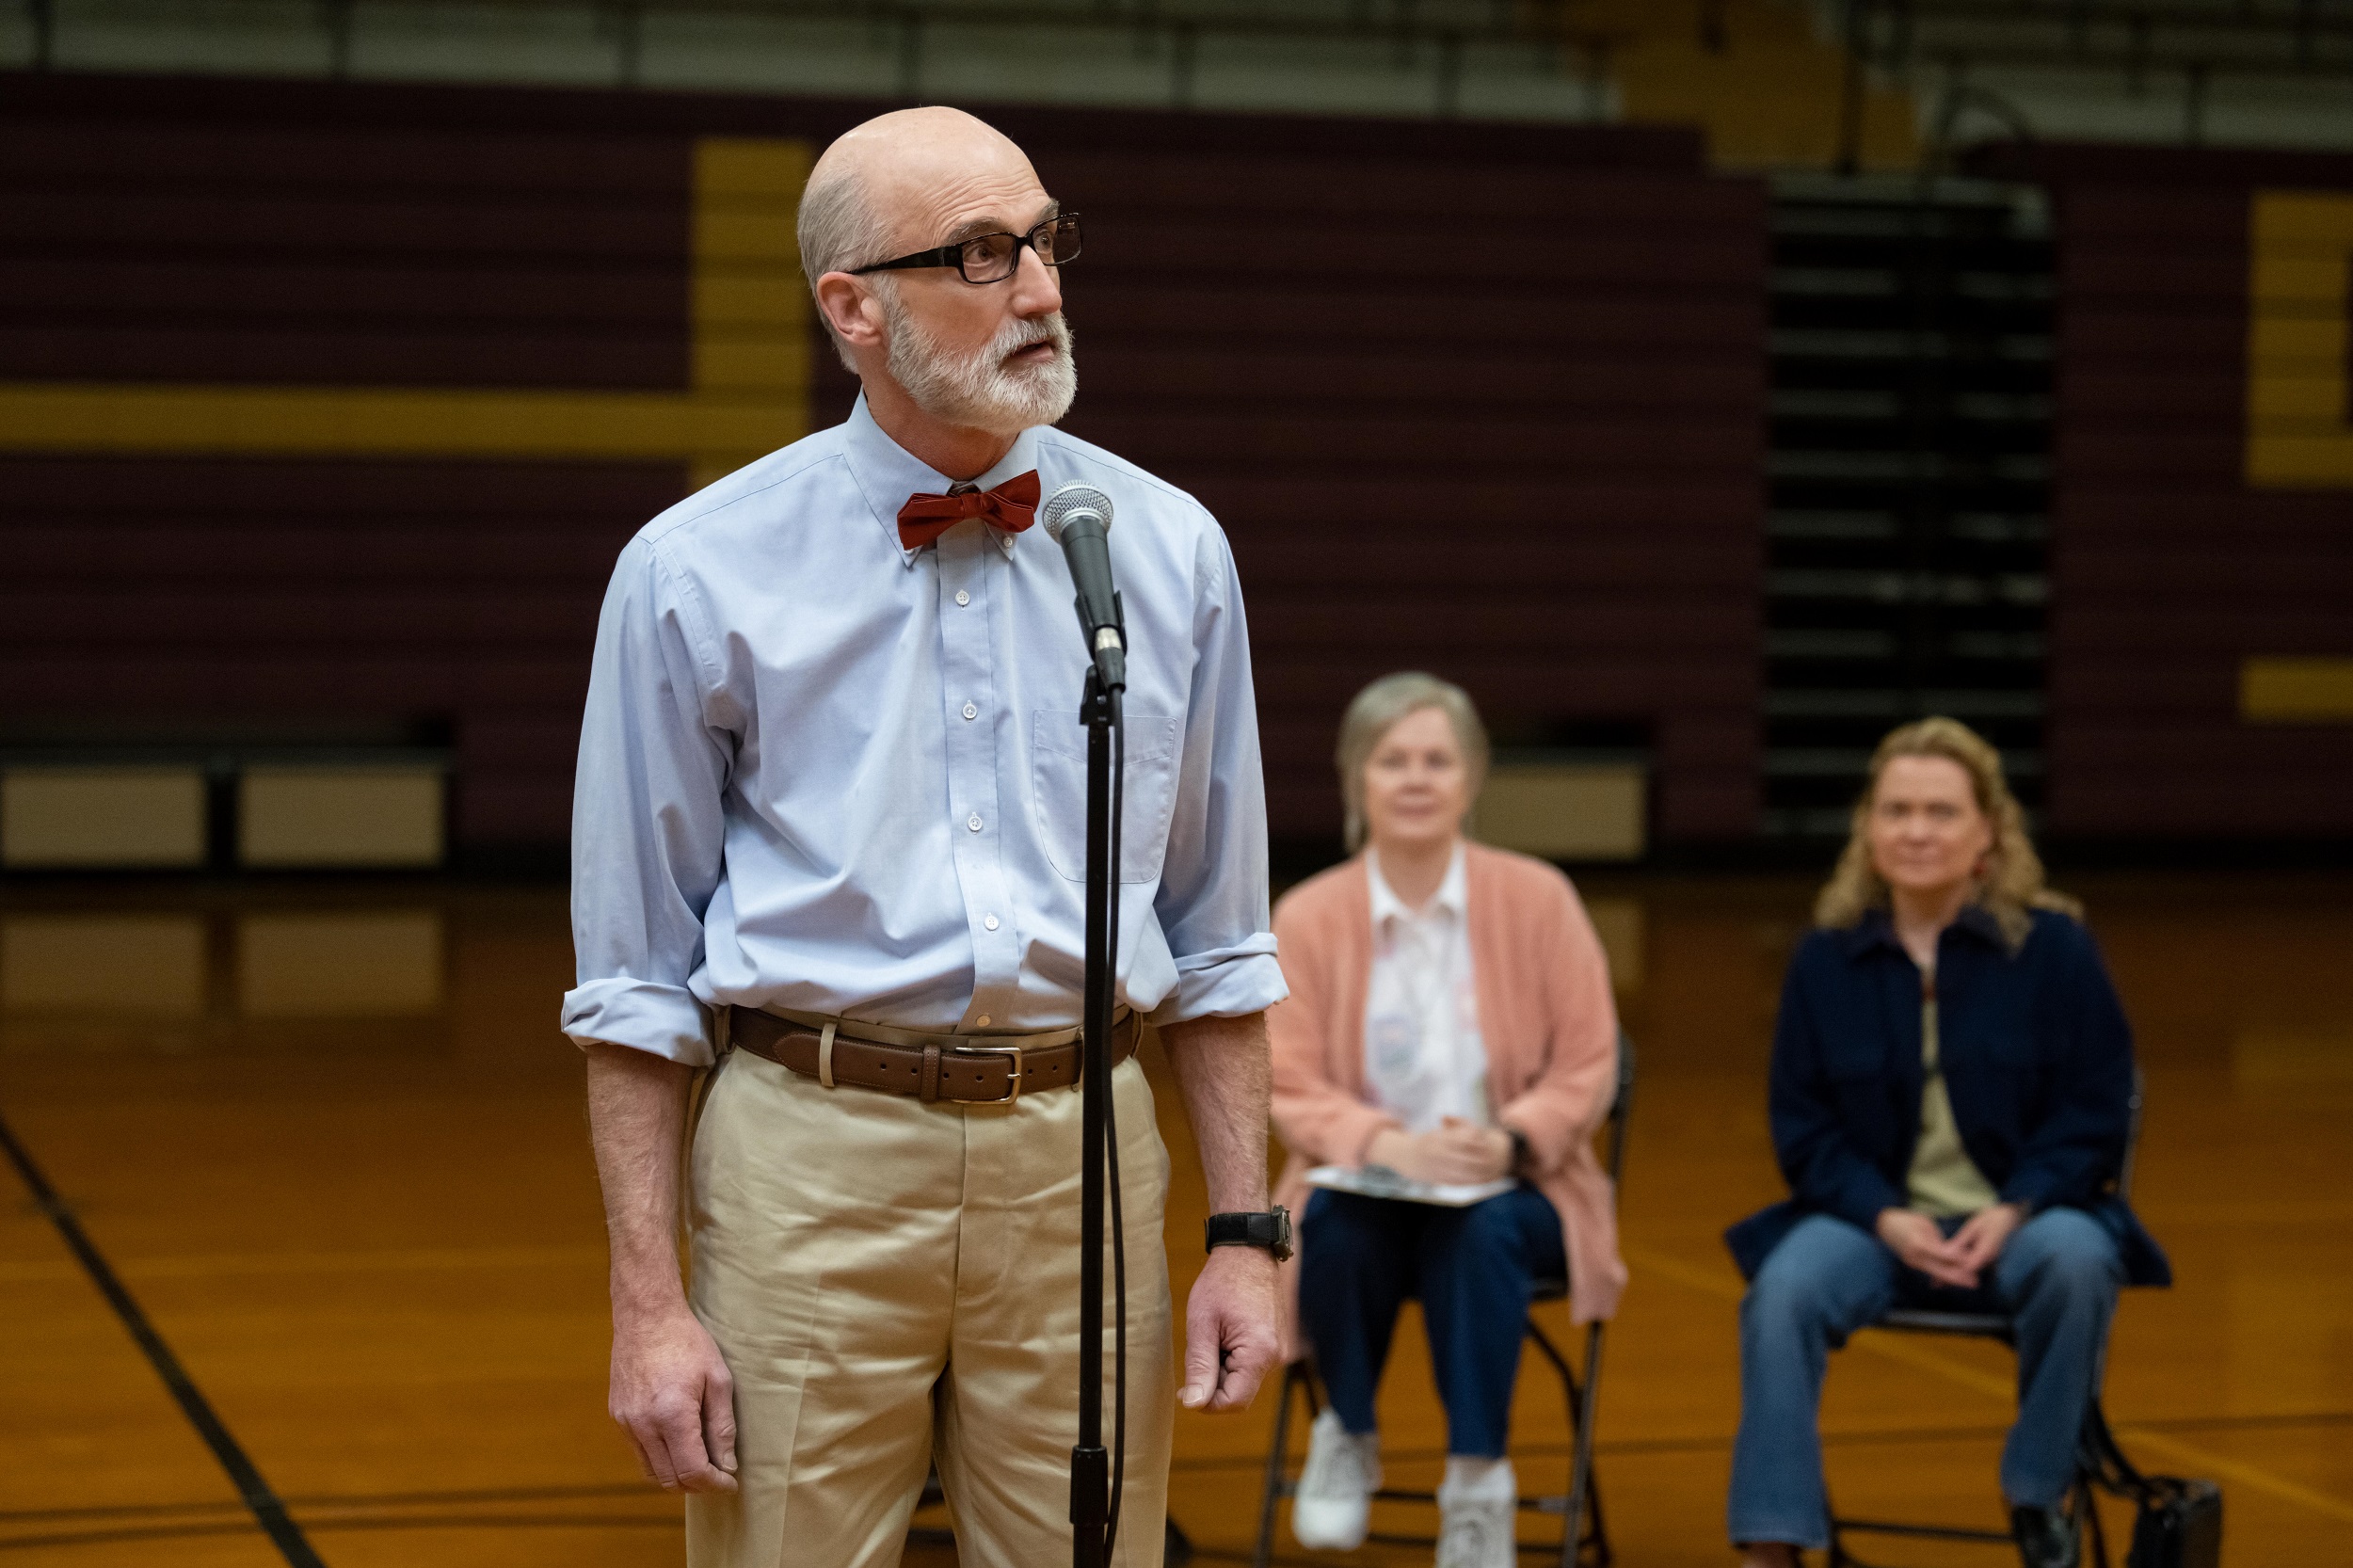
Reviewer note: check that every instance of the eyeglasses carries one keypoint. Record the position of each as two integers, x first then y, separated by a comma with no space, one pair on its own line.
992,258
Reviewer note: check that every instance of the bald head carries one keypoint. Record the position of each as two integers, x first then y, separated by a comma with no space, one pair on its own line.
951,366
902,180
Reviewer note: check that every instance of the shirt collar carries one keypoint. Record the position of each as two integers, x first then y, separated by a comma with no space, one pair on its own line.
888,473
1877,929
1453,894
1978,921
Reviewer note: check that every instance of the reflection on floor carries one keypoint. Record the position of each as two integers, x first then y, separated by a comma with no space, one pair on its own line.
330,1140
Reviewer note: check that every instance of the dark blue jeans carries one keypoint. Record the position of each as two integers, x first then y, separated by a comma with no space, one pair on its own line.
1473,1270
2059,1275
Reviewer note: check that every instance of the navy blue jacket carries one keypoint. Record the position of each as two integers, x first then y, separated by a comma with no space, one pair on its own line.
2037,1056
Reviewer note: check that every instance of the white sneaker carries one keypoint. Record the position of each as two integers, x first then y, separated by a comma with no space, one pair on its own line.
1332,1507
1478,1522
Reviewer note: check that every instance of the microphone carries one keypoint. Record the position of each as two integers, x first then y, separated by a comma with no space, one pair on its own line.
1079,518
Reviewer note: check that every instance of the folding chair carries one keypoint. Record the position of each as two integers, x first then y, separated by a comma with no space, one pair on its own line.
2097,1457
1584,1542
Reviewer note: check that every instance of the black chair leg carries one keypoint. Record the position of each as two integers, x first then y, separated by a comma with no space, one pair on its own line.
1277,1457
1584,1497
1596,1533
2088,1510
1583,1401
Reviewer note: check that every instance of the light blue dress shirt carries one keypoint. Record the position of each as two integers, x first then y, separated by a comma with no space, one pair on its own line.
824,773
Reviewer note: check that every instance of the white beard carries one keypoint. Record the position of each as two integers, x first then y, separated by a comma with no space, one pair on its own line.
979,390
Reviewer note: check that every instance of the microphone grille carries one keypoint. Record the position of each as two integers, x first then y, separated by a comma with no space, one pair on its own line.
1068,502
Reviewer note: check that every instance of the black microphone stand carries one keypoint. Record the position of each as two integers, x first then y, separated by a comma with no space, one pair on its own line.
1092,1491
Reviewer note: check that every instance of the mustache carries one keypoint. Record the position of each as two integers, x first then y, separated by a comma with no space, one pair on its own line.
1014,336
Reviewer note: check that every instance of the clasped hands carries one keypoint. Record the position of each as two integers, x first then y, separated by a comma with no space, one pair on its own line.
1455,1152
1956,1260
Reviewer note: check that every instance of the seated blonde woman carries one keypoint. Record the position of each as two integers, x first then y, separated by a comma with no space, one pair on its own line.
1950,1097
1450,1019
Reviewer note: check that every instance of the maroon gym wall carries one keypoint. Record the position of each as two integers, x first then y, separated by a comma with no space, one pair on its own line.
2167,569
1482,399
1483,402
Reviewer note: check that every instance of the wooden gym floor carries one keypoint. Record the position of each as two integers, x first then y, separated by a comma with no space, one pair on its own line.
329,1139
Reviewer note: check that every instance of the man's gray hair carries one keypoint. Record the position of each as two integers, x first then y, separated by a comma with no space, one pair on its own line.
839,229
1378,708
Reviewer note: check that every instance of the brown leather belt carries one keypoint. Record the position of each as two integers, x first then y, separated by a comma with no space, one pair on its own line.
967,1070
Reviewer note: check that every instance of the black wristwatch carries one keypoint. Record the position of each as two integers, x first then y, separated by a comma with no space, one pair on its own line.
1270,1230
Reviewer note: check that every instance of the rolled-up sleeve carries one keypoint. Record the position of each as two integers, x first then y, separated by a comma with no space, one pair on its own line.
647,823
1213,896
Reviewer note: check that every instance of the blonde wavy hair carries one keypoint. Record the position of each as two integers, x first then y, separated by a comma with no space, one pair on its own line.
2011,883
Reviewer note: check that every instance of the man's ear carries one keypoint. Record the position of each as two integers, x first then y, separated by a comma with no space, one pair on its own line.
851,308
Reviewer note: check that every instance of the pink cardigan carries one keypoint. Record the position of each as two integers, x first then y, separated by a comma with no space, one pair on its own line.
1544,1012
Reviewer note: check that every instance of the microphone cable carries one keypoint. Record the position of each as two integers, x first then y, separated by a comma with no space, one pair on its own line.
1111,1143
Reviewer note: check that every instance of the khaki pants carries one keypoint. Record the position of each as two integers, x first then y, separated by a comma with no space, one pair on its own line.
895,1284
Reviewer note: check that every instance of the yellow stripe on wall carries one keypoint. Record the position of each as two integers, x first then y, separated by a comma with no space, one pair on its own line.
371,422
750,312
748,393
2296,690
2299,422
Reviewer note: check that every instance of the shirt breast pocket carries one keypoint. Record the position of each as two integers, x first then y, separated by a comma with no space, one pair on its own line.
1058,746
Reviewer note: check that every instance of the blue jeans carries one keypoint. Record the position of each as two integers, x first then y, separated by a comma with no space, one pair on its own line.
2057,1277
1474,1270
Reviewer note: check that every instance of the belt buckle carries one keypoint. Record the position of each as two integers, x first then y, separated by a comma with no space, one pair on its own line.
1014,1079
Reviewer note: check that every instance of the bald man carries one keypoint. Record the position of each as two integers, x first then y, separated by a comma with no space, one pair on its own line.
829,842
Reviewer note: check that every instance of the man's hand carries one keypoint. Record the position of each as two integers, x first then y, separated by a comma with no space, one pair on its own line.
1920,1242
1454,1152
1984,1234
1230,1339
672,1393
1230,1335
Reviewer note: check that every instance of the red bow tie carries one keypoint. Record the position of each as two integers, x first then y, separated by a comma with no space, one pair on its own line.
1011,507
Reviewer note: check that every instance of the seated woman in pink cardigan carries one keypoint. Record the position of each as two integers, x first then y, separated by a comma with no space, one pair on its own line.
1450,1019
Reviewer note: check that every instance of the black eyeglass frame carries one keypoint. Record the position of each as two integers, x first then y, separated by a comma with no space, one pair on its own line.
952,255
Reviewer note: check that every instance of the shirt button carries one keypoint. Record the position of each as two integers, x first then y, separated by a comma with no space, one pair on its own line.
990,922
962,598
970,712
973,821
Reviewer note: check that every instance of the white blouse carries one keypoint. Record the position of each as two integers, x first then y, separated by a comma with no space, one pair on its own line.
1424,1060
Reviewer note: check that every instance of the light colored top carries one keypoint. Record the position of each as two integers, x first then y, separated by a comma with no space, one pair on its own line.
1943,1181
1546,1021
1424,1060
825,773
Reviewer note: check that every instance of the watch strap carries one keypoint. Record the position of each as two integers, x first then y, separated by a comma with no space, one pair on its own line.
1270,1229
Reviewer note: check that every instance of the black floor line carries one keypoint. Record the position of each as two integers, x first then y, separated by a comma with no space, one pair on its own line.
267,1510
114,1537
389,1522
2237,1423
1877,1437
314,1501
